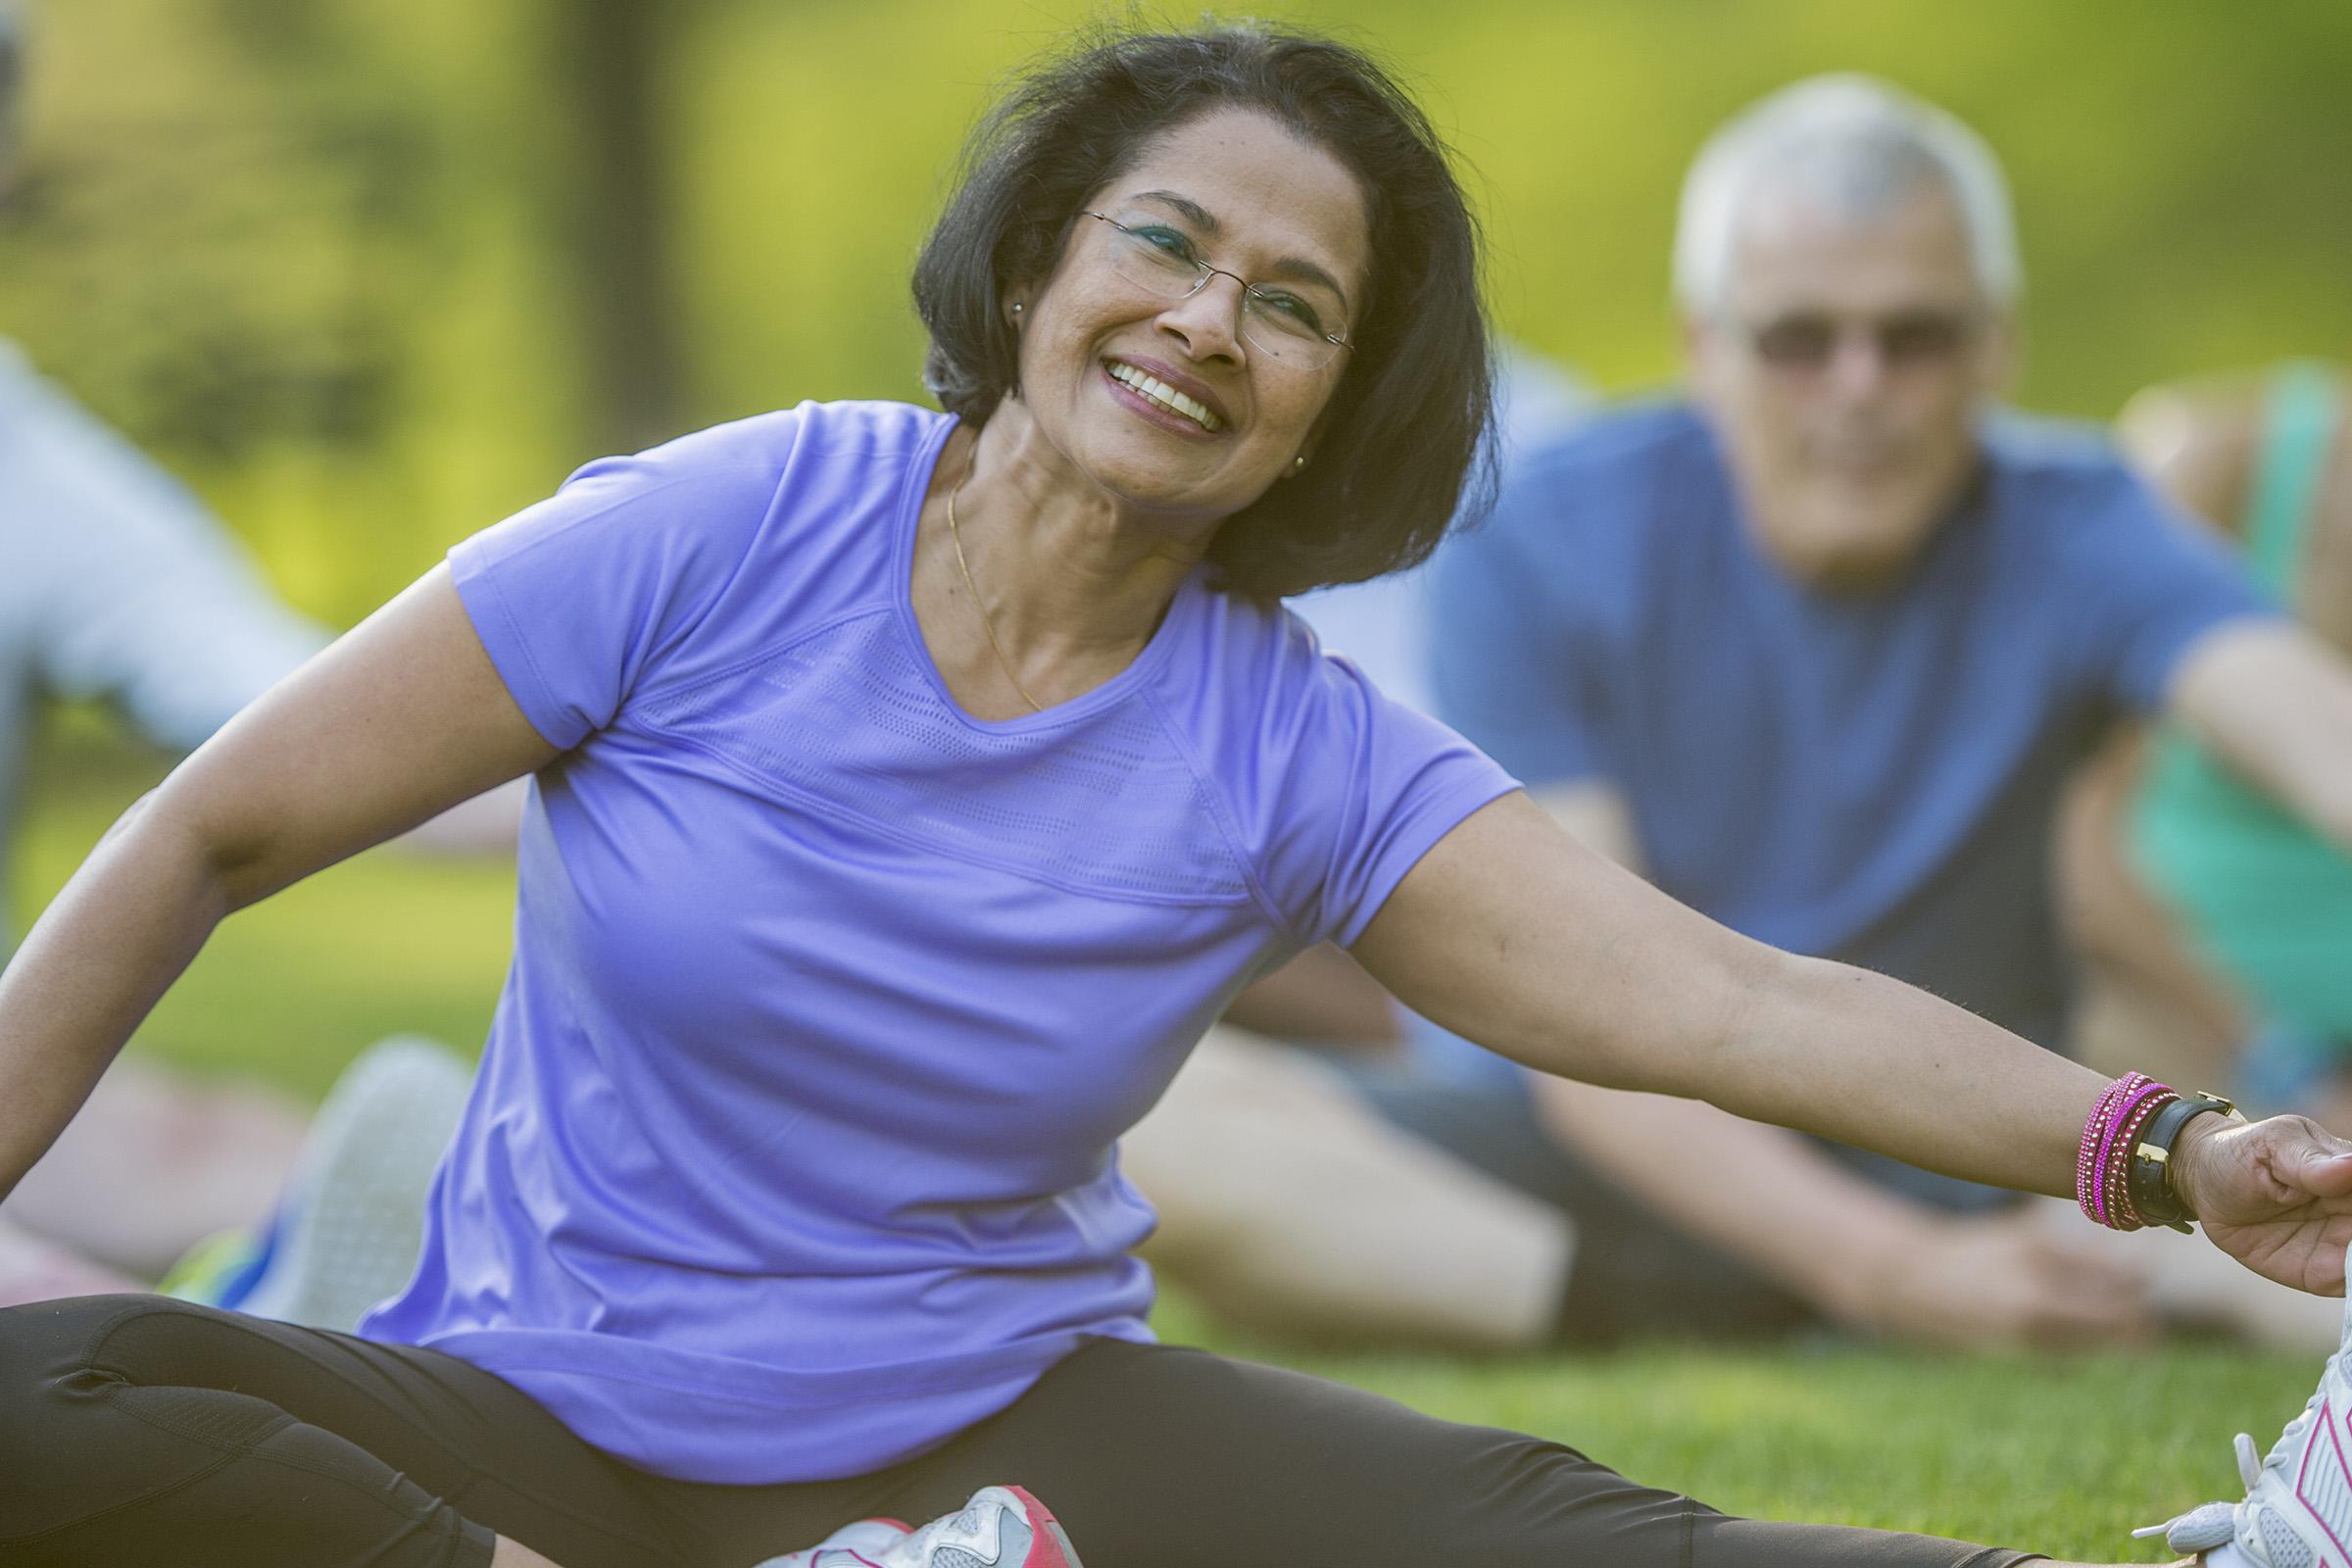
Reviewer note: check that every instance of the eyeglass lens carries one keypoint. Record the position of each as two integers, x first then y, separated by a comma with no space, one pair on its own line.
1911,338
1289,325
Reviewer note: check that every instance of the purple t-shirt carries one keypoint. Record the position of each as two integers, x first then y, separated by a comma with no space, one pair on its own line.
793,1150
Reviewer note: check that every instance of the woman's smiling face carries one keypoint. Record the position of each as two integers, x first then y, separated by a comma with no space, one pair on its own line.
1101,352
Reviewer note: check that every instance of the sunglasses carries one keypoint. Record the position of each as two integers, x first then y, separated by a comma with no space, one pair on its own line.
1804,342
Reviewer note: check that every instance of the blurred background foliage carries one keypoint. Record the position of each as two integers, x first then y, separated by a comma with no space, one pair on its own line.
373,272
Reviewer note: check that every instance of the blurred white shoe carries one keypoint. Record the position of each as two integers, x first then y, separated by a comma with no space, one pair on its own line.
353,1218
1000,1526
2297,1512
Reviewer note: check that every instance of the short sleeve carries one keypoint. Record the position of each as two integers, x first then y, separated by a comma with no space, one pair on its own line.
589,596
1515,663
2147,584
1369,788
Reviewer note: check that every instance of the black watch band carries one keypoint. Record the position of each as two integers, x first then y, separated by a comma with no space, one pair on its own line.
2148,1174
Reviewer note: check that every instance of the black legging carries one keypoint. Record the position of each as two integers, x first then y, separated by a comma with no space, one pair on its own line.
137,1430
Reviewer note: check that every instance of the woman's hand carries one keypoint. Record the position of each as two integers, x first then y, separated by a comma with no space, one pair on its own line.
2274,1194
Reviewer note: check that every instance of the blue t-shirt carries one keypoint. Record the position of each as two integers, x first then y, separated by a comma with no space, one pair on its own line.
792,1153
1870,778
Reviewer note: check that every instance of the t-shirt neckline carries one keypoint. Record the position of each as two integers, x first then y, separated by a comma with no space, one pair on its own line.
913,487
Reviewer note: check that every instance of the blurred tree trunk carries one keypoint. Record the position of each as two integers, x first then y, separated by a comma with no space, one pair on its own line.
610,59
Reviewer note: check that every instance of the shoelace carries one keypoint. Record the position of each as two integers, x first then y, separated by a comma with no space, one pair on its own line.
2213,1524
913,1545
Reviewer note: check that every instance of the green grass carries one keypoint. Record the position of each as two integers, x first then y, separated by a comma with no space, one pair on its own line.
2057,1456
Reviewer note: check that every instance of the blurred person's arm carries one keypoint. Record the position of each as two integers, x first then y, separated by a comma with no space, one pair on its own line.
2269,697
147,601
2274,702
399,720
150,602
2196,443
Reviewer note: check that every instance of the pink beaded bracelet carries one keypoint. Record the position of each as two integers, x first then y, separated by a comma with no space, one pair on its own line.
2087,1160
2123,1109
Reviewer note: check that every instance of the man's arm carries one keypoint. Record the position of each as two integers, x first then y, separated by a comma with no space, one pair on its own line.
2274,702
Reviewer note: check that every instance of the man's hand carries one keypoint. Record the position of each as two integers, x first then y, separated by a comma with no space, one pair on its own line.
2274,1194
2002,1280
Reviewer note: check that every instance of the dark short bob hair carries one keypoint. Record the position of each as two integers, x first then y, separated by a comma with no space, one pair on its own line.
1400,443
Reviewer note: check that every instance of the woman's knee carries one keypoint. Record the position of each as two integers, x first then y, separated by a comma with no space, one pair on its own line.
63,1427
48,1340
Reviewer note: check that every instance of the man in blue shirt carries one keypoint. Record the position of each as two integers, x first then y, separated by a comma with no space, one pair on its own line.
1816,651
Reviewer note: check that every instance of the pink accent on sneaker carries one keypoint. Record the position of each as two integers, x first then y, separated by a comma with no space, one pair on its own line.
1050,1545
2343,1473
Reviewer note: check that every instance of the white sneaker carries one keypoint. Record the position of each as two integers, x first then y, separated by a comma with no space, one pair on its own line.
1001,1527
353,1218
2297,1512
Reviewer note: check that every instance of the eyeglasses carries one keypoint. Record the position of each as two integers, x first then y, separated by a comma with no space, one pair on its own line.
1290,326
1806,342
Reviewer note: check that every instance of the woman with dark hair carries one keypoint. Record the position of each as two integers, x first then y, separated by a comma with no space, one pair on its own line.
909,792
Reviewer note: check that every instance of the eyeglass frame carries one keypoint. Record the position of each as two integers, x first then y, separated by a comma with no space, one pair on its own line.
1249,291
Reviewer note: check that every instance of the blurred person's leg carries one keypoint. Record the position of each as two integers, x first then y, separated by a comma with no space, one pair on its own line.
2150,1001
2145,1001
308,1220
34,1268
1632,1275
156,1162
1285,1204
1637,1275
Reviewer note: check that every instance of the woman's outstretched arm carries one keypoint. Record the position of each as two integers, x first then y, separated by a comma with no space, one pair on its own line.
1512,933
399,720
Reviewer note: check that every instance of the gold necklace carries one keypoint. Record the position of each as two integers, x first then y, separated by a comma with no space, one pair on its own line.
985,624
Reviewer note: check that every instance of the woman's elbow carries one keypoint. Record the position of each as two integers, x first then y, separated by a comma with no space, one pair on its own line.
218,863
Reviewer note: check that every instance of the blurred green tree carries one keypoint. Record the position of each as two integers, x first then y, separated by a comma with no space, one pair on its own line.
376,271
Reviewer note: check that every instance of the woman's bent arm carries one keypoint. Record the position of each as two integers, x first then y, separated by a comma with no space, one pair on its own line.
397,721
